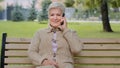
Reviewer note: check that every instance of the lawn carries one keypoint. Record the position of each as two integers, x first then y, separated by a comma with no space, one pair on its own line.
84,30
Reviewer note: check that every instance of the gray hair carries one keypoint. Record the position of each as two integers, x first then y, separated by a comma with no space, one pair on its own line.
56,5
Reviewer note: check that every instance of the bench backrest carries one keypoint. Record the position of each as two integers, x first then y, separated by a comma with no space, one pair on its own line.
97,53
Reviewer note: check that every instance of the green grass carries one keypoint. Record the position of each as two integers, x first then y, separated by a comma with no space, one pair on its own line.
84,30
95,30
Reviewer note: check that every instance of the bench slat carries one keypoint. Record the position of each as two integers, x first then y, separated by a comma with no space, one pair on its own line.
17,46
100,40
95,66
83,53
16,53
111,61
101,47
18,40
17,60
99,66
19,66
86,40
100,53
86,46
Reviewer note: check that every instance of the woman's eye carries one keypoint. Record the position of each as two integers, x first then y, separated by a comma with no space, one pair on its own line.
52,15
58,14
55,14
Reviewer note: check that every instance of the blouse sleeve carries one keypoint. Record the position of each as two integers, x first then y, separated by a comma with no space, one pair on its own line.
34,49
73,40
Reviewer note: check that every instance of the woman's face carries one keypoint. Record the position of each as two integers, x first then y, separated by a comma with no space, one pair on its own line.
55,17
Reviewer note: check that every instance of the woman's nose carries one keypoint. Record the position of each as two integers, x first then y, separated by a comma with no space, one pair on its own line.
55,17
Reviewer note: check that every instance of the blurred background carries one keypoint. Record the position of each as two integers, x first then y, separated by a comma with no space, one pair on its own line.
76,10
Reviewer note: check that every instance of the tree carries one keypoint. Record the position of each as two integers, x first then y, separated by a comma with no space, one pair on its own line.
104,10
17,13
33,13
69,3
43,15
9,11
105,18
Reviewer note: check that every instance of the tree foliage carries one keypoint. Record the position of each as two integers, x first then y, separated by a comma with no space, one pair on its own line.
69,3
43,15
1,0
17,13
33,13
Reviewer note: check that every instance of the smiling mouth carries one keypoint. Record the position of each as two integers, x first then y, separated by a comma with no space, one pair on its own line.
55,21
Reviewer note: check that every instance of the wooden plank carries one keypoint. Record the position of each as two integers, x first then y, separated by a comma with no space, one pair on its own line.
86,46
19,66
77,60
100,53
85,40
18,61
99,66
18,40
100,40
97,61
95,66
17,46
101,47
16,53
83,53
88,66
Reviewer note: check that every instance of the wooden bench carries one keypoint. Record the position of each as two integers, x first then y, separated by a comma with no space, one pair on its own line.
97,53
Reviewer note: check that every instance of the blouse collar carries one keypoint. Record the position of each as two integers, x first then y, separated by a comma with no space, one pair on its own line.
52,29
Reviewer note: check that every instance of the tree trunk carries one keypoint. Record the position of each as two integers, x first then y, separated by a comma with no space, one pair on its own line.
105,19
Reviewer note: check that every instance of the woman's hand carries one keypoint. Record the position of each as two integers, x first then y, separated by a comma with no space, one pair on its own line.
50,62
64,24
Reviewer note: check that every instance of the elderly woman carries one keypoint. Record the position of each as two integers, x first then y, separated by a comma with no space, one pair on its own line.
55,46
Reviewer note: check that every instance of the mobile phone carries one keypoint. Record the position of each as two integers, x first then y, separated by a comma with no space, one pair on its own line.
63,16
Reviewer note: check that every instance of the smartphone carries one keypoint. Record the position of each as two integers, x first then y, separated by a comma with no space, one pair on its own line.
63,16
